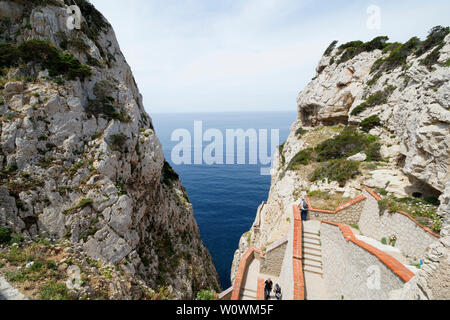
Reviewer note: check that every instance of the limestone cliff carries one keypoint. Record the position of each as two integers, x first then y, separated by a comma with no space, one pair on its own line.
79,157
394,99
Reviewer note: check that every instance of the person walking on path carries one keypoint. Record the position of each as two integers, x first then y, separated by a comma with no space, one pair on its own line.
277,291
304,210
268,288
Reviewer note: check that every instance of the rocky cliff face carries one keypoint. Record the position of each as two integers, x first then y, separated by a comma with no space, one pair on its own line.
395,98
79,157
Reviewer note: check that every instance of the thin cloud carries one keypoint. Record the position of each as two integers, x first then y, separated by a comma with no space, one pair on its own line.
245,55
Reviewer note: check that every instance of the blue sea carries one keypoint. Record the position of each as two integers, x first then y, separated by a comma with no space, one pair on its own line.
225,197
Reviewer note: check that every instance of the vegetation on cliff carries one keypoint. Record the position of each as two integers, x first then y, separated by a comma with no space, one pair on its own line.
331,156
44,54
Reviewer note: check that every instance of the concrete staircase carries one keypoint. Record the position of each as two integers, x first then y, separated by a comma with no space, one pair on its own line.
248,294
312,248
315,287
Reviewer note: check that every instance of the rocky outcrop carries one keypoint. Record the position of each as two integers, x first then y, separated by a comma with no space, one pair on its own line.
80,159
433,280
397,93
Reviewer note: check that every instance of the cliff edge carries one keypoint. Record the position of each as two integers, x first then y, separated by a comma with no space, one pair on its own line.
83,177
375,115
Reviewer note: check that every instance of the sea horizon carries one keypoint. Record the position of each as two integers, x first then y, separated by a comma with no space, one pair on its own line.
225,198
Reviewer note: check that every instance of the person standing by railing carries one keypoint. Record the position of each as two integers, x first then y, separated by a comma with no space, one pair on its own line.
304,209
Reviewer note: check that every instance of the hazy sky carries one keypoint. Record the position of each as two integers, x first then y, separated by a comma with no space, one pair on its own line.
246,55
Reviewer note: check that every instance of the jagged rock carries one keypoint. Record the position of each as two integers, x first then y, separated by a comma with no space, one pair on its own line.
12,88
414,135
93,176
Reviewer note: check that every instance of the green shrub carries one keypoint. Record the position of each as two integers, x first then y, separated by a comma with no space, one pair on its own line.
103,105
300,132
447,63
337,170
432,59
82,204
359,109
432,200
17,256
383,204
169,175
52,58
54,291
384,241
373,152
370,123
383,192
374,79
281,152
93,61
397,57
347,144
16,238
5,235
354,48
9,55
435,38
95,22
378,98
11,116
103,89
206,295
330,48
301,159
120,186
350,44
117,141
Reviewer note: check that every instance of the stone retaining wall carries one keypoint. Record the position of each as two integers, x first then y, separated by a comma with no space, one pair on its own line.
347,213
273,258
412,238
354,270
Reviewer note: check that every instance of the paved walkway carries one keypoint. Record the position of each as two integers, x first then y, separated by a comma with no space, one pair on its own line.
8,292
312,262
250,282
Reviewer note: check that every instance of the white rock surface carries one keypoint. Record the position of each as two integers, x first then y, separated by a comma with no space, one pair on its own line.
113,200
415,142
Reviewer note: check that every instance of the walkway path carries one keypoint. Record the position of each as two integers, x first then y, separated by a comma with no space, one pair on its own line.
8,292
312,262
250,282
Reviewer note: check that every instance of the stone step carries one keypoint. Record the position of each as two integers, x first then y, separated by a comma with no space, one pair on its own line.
311,237
305,232
311,257
314,242
313,270
312,250
248,295
311,263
